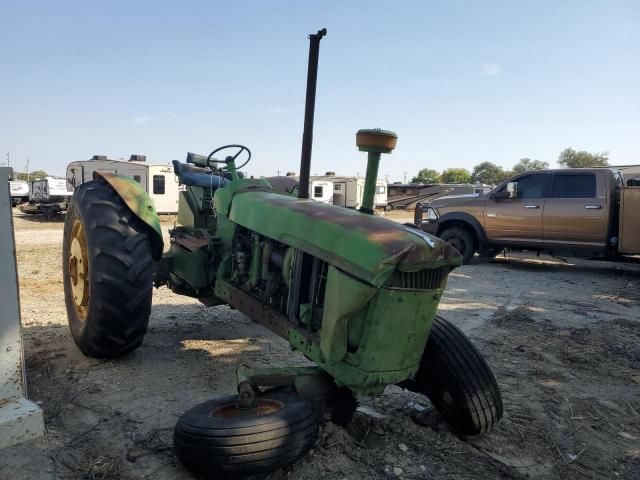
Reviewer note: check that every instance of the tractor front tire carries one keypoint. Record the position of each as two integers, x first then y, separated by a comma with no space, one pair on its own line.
108,272
458,381
219,439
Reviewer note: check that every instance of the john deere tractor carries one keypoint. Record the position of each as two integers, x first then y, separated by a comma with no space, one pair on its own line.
355,293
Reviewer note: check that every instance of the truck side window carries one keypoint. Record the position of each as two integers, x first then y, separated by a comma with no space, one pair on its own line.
578,185
317,192
137,178
158,184
531,186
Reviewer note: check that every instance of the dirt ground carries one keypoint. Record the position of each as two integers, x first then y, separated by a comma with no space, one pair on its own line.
563,339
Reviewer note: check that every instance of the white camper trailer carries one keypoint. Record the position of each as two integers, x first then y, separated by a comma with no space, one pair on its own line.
49,190
348,191
49,196
19,190
321,191
158,180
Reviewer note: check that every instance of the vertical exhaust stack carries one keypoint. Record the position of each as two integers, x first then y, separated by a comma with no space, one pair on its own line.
376,142
309,110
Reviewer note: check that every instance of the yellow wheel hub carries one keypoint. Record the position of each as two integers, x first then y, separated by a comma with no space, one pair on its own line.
78,263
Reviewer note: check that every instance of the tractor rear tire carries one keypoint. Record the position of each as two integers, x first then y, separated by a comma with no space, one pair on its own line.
458,381
108,272
461,240
218,439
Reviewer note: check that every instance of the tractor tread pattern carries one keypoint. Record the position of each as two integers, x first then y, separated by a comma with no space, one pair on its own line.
120,272
234,448
452,364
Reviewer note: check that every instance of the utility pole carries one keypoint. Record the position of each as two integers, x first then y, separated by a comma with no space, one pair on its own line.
8,162
405,177
27,169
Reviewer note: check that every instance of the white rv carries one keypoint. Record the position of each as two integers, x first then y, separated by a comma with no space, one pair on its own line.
49,196
348,191
19,191
321,191
49,190
158,180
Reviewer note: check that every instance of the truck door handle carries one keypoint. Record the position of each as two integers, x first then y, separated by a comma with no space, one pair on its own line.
532,206
593,207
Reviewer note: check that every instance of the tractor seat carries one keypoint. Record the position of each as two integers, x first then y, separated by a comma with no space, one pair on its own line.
198,177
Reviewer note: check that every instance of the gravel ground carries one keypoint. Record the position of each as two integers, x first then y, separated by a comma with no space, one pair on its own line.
563,340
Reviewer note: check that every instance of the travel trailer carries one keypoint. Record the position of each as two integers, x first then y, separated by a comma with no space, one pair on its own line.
347,191
19,191
49,190
49,196
321,191
158,180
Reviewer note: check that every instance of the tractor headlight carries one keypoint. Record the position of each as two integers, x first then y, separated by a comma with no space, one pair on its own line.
432,214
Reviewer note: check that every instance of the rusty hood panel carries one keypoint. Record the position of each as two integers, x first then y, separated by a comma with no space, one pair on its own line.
366,246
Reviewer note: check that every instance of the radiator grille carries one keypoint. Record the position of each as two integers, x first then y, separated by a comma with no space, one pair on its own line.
422,280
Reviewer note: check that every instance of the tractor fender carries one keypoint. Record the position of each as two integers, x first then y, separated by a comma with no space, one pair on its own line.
140,204
469,220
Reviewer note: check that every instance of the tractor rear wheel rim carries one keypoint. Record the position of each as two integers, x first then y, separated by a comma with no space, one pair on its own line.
78,267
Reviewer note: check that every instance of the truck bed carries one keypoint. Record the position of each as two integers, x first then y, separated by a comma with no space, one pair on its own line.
630,220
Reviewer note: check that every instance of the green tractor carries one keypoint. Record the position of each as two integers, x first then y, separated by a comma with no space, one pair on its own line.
355,293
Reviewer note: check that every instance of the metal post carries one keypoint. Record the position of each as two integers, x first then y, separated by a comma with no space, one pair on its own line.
20,419
310,105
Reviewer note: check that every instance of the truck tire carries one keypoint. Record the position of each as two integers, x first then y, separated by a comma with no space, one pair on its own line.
458,381
218,439
461,240
108,272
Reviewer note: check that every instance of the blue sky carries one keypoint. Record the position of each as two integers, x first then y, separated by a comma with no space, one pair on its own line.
460,81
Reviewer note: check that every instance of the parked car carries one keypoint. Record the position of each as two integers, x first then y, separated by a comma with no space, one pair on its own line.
568,212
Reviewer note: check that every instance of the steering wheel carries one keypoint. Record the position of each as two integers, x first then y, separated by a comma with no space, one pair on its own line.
241,148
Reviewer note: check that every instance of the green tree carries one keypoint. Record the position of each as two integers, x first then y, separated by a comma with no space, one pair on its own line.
569,158
35,175
527,165
490,173
455,175
426,175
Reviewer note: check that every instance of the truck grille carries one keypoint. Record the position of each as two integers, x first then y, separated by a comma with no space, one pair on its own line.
422,280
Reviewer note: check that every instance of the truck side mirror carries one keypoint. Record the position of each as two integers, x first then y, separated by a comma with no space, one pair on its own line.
512,189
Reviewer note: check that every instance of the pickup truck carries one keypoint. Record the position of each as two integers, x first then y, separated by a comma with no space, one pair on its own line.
567,212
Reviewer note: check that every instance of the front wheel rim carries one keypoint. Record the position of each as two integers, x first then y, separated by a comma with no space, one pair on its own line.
262,407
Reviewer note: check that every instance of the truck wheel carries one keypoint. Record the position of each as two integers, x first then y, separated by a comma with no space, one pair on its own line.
458,381
108,272
218,439
461,240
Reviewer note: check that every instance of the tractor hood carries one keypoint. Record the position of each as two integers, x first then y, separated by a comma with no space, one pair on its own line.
365,246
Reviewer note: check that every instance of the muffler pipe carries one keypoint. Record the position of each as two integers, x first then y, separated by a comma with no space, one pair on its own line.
309,111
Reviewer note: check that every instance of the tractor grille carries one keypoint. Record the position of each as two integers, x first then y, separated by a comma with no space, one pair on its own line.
423,280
